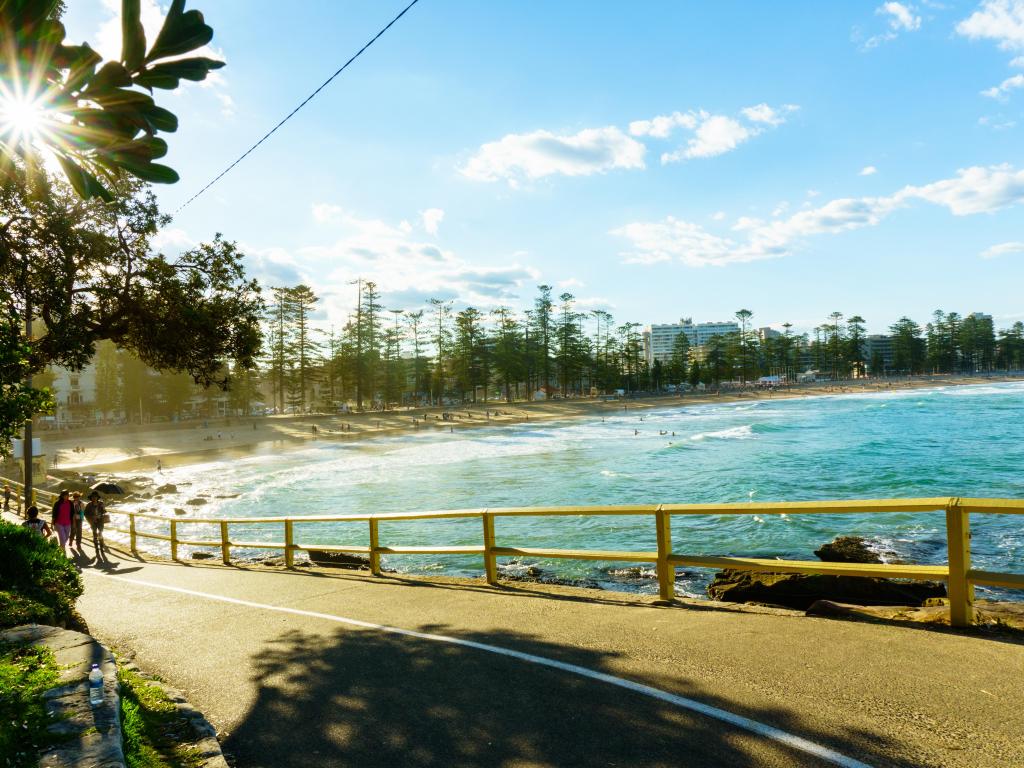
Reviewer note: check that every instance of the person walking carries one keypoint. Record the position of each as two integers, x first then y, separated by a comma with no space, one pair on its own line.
94,514
7,498
39,527
77,520
61,517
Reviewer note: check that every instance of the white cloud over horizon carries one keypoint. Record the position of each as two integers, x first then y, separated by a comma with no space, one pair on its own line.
971,191
901,17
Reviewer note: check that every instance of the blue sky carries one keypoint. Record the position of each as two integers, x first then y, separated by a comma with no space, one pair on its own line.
655,159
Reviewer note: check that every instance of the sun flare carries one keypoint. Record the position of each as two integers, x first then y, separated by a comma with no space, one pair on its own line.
21,118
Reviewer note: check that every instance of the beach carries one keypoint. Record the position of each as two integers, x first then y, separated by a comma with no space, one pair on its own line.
129,448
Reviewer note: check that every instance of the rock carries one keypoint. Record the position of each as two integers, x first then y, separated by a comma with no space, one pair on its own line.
338,559
196,502
797,590
996,615
202,556
167,488
847,549
180,511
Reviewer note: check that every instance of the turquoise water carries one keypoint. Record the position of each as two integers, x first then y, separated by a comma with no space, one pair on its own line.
954,441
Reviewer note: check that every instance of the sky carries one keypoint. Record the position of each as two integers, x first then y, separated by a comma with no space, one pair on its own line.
655,159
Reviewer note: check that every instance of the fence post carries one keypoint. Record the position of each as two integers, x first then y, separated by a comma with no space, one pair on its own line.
374,545
289,544
490,561
174,539
958,540
666,571
131,533
225,545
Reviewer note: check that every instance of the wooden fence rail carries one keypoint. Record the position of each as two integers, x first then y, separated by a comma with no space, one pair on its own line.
957,573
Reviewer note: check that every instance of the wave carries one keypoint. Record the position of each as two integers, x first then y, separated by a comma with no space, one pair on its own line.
745,432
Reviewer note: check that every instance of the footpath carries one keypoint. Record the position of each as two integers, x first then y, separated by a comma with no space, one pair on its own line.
334,668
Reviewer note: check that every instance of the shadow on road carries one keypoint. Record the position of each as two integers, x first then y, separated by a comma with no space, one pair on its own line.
368,698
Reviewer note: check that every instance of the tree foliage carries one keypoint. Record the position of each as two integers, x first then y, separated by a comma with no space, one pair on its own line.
98,118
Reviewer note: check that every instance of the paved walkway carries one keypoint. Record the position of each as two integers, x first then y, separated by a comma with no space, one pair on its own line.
294,670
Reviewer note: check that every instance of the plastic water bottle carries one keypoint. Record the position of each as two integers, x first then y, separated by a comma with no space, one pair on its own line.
95,686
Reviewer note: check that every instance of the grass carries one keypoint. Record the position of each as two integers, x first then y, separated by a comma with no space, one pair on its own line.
40,583
153,731
26,672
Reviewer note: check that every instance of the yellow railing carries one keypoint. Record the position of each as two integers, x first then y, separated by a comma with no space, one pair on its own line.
957,573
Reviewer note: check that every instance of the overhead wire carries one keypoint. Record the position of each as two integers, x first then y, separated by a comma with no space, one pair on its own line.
303,103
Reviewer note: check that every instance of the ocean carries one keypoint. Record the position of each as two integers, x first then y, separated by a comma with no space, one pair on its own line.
946,441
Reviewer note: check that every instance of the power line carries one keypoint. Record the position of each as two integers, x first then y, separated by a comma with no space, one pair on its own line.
291,114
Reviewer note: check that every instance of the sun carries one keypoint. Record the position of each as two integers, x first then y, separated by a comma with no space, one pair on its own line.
21,119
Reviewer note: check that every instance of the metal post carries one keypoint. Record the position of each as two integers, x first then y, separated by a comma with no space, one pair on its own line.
960,590
374,546
490,561
289,544
666,572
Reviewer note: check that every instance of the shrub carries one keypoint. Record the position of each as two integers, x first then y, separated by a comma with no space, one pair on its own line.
36,575
25,673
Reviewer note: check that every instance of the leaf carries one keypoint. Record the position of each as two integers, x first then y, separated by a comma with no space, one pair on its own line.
183,31
110,75
84,183
133,45
161,119
153,172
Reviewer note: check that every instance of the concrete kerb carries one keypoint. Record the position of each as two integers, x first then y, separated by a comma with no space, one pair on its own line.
91,737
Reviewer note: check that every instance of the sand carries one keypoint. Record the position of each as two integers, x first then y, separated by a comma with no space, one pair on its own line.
139,447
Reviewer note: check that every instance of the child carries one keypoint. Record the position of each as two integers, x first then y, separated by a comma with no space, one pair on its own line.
35,524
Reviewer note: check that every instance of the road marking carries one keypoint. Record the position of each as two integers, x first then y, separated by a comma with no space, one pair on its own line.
745,723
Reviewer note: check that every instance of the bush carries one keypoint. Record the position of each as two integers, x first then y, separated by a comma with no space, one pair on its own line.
35,575
25,673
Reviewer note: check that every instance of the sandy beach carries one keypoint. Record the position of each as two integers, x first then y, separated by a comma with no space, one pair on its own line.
126,448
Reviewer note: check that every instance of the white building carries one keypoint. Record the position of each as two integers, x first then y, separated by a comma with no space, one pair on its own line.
72,390
659,340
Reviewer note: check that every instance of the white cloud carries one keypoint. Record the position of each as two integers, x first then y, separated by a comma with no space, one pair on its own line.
999,20
1000,91
901,17
1003,249
715,136
868,170
598,150
661,127
1017,61
998,123
971,191
542,153
718,215
570,282
408,268
431,218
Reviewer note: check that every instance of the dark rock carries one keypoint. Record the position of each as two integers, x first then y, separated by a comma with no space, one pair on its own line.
197,502
180,511
800,591
338,559
167,488
516,570
847,549
202,556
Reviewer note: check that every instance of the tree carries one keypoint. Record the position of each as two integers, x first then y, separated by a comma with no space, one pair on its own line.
744,316
542,308
98,121
508,351
441,341
305,348
279,347
680,358
421,382
855,344
908,347
108,379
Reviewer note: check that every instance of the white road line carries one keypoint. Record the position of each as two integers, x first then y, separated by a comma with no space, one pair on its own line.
753,726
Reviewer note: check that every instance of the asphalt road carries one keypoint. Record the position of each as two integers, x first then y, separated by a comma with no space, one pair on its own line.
288,683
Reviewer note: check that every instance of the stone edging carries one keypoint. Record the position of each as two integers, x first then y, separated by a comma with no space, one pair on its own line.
92,736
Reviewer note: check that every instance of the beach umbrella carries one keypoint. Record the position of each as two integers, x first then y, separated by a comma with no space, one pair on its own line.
107,487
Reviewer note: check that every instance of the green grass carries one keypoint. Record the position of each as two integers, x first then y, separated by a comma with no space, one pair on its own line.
26,672
153,731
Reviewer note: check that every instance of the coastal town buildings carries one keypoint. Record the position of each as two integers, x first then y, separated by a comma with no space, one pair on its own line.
659,339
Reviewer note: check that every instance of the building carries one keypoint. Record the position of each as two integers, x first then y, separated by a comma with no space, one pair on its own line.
74,393
659,340
763,334
877,345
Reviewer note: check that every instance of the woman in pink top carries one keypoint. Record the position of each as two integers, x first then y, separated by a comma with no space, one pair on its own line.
63,512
